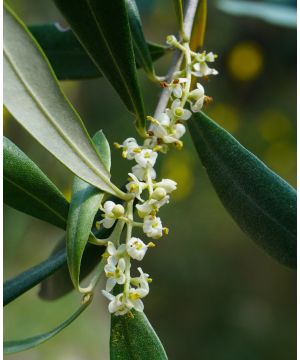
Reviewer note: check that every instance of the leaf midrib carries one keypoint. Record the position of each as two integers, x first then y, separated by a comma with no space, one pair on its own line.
52,121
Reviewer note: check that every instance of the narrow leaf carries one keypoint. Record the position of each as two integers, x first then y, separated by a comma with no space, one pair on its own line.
261,202
27,188
59,283
141,50
33,96
84,205
69,59
199,26
15,346
103,29
133,338
18,285
179,14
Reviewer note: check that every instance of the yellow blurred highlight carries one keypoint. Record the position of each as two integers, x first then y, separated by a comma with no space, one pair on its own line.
178,166
281,157
245,61
273,125
6,116
226,116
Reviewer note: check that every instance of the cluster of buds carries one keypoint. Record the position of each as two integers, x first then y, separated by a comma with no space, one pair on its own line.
166,128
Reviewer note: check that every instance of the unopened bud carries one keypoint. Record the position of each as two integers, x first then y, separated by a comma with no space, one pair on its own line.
159,193
171,39
118,210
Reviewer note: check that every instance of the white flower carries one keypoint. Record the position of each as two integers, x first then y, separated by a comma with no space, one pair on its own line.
151,206
196,98
114,272
176,87
152,226
112,212
178,112
136,248
167,184
200,67
115,253
118,305
131,148
146,158
135,186
143,281
134,299
141,172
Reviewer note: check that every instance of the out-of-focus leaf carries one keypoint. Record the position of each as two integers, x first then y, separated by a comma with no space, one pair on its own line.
276,14
103,29
15,346
199,26
33,96
27,188
133,338
23,282
141,49
261,202
68,58
84,205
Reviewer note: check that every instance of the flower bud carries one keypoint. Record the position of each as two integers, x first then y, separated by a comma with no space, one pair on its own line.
159,193
118,210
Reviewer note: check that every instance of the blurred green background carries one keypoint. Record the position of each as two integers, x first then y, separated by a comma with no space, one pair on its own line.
215,295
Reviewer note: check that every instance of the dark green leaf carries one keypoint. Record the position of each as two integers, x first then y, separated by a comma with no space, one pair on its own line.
84,205
18,285
59,283
133,338
141,50
103,29
33,96
27,188
68,58
11,347
261,203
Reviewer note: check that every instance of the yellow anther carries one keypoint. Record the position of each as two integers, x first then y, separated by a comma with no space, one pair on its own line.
134,296
117,145
105,255
154,121
98,225
137,150
124,154
147,155
149,280
157,148
151,244
178,144
166,230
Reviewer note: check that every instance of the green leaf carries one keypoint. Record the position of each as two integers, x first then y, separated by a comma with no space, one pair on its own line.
23,282
85,203
68,58
27,188
261,202
33,96
133,338
179,14
141,50
59,283
15,346
103,29
199,26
